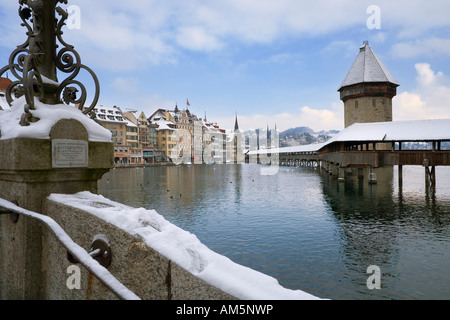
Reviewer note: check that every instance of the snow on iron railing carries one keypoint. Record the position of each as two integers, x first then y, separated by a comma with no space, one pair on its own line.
81,255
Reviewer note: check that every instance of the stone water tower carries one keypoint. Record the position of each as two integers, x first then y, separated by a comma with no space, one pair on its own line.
368,89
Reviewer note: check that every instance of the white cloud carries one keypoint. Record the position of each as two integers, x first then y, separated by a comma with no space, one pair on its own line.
430,100
126,85
343,47
264,21
324,119
197,39
114,33
316,119
409,106
155,31
433,47
426,77
416,18
121,37
143,102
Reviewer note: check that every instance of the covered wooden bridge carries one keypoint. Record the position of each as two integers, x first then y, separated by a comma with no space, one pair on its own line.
372,145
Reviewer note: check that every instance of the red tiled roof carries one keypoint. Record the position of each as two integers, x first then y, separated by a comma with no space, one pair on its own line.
4,84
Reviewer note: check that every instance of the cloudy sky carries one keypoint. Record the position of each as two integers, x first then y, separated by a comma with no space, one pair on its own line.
273,62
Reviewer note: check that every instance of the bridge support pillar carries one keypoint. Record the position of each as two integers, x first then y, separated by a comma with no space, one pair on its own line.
430,177
360,173
330,168
372,176
334,171
341,174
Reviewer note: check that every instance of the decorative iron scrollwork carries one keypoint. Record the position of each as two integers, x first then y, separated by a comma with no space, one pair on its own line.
35,63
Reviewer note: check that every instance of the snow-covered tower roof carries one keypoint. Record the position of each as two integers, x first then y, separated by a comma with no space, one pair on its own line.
366,68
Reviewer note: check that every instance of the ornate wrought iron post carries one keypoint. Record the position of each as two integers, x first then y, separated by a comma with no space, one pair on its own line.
43,44
35,63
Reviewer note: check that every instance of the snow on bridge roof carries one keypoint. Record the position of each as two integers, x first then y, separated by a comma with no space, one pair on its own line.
414,130
396,131
303,148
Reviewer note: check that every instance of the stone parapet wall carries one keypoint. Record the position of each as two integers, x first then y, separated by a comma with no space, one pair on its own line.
147,273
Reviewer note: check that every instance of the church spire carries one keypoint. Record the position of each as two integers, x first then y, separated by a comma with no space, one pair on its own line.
236,124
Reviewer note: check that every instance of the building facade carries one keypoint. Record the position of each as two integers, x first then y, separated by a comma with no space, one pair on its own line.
165,128
113,120
132,138
167,136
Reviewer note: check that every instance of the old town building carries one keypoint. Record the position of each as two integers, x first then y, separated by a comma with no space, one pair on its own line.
166,136
113,120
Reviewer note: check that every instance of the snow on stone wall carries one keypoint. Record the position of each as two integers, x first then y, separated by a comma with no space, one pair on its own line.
49,115
183,248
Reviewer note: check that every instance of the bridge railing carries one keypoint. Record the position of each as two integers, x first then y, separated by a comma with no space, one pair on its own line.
78,253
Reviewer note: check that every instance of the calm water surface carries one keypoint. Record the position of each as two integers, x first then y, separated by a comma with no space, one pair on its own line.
306,229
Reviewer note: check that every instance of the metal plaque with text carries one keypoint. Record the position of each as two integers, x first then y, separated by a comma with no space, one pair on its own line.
69,154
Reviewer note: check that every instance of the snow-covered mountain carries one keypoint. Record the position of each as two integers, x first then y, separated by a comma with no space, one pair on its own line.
304,135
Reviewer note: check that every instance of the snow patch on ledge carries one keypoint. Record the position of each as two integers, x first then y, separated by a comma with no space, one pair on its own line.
49,115
183,248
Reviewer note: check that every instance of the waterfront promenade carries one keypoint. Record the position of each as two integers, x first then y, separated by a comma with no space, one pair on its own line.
143,165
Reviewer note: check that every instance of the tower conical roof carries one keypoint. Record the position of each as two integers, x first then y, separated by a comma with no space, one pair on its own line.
367,67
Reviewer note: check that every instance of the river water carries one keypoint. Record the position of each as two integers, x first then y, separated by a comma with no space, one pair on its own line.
306,229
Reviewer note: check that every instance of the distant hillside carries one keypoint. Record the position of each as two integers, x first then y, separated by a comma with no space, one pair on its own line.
304,135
